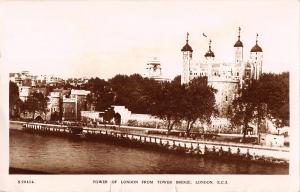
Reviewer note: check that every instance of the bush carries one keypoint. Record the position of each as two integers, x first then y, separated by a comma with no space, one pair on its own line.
132,123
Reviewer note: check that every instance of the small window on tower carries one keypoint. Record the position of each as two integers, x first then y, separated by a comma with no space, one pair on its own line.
237,74
226,98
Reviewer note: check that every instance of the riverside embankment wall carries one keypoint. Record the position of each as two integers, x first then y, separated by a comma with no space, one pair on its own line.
255,151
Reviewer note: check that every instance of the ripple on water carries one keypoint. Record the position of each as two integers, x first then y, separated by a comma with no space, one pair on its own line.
64,156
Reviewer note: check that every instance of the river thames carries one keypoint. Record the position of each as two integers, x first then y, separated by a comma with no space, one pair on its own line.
61,155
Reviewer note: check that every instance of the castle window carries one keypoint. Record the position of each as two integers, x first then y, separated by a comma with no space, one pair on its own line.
226,98
237,74
191,73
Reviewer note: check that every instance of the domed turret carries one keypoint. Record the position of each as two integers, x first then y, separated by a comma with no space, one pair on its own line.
187,47
256,47
256,57
239,42
209,53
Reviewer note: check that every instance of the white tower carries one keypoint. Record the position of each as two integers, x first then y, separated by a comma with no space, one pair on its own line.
256,57
187,53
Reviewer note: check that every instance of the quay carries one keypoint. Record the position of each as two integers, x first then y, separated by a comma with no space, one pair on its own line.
141,137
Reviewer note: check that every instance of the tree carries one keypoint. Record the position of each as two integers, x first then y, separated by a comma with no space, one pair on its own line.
101,95
260,99
109,115
274,92
198,102
132,91
148,91
35,102
167,102
60,105
242,113
14,100
49,89
96,85
123,88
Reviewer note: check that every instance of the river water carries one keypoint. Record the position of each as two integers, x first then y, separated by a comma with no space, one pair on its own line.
61,155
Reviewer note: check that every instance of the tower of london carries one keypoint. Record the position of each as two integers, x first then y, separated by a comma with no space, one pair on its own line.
226,78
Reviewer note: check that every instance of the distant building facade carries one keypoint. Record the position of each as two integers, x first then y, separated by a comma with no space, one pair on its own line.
53,106
74,104
24,92
154,70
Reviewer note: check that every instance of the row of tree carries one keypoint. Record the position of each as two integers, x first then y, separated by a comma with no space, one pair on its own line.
267,97
170,101
190,103
175,103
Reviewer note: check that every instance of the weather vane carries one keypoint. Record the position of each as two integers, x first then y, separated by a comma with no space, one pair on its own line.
187,36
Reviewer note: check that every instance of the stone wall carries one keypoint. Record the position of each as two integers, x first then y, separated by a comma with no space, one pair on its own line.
226,91
95,115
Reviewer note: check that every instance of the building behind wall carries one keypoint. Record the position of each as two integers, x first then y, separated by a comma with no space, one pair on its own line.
69,109
81,103
154,70
53,105
74,104
24,92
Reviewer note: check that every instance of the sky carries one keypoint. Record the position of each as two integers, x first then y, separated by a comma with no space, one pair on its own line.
102,38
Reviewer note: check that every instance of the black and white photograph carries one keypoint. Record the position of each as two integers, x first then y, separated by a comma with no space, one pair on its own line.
168,94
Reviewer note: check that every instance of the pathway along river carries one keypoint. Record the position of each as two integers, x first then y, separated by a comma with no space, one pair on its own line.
61,155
